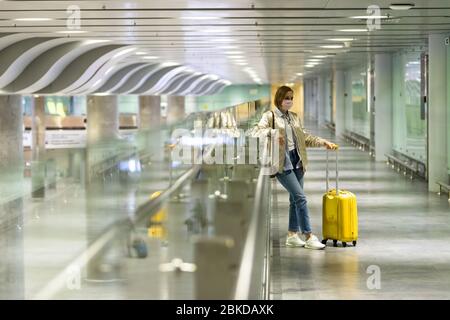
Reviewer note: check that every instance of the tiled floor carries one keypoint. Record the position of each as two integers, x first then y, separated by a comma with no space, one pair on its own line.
404,233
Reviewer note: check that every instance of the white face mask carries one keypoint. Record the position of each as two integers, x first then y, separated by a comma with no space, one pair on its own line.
287,104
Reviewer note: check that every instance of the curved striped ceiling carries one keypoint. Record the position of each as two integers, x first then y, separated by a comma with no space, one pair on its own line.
46,65
244,41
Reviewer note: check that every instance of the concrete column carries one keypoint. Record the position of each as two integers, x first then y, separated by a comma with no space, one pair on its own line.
383,105
102,118
399,110
321,99
150,141
11,131
316,99
305,93
11,148
312,99
11,192
175,109
38,147
310,93
102,132
307,98
348,101
102,179
339,89
333,98
149,111
328,99
437,112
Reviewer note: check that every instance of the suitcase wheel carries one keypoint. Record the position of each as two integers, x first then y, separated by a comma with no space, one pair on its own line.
354,243
335,243
324,241
344,244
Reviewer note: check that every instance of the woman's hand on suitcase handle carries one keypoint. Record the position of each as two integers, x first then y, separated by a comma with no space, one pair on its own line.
329,145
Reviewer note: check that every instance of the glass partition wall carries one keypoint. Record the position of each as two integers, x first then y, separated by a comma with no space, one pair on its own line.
409,112
131,210
360,119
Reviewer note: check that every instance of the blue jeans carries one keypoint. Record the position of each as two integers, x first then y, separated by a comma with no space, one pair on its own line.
292,181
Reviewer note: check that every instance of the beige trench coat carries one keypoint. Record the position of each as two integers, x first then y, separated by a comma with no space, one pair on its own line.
304,139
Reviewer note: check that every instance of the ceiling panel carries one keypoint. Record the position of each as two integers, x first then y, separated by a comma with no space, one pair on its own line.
240,40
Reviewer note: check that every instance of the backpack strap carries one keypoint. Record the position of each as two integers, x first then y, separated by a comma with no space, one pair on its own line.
273,119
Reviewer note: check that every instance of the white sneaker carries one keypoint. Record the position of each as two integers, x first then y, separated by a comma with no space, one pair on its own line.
314,243
294,241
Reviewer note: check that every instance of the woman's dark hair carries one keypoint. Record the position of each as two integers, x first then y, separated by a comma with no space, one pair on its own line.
281,93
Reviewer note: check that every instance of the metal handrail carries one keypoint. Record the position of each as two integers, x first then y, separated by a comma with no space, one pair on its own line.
244,279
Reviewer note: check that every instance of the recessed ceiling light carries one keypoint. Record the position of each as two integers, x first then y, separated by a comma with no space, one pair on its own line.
200,18
223,40
242,63
320,57
150,57
140,53
341,39
354,30
97,82
336,46
299,74
228,47
369,17
96,41
109,70
314,60
212,30
234,52
401,6
123,52
33,19
71,31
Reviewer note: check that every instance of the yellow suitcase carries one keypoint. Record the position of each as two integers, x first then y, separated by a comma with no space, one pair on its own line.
340,214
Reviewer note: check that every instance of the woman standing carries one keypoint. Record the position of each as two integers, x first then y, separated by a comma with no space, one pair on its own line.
292,164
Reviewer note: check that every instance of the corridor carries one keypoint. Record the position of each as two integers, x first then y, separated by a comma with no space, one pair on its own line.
403,229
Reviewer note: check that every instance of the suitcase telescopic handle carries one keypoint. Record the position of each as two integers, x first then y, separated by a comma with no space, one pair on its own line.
337,172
